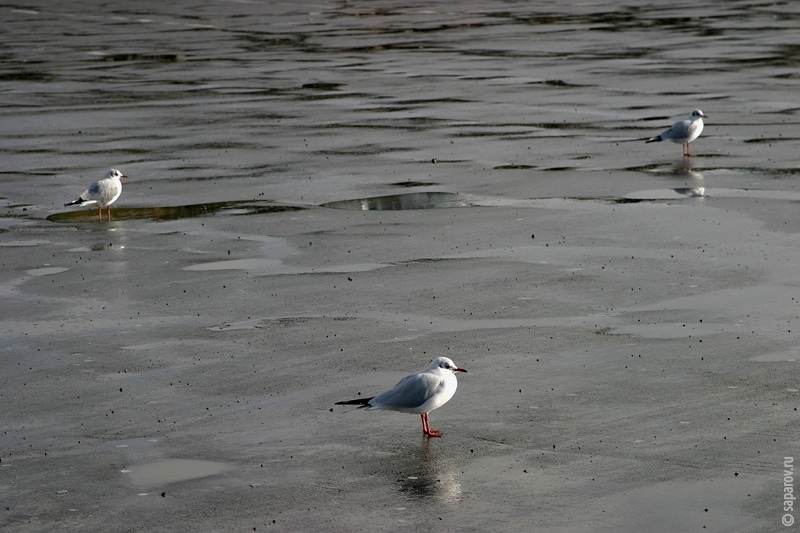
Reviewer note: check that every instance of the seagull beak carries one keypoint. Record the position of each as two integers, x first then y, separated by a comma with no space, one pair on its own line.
460,370
123,176
704,116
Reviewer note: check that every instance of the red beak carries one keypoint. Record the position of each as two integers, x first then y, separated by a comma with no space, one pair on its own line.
460,370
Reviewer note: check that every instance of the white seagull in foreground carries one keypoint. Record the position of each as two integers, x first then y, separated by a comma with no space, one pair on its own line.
103,193
683,132
418,393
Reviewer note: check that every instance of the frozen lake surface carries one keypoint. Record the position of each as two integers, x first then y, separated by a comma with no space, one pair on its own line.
323,197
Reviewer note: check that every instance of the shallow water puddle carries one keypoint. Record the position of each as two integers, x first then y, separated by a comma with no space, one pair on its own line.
255,263
239,207
275,267
402,202
664,194
703,192
46,271
171,471
409,183
13,244
283,321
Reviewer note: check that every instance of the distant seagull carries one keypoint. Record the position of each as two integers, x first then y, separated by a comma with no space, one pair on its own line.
418,393
102,193
683,132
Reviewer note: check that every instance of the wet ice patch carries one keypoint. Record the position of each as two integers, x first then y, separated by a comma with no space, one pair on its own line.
411,183
787,356
402,202
48,271
275,267
171,471
672,330
283,321
242,324
666,194
716,504
232,208
14,244
238,264
702,192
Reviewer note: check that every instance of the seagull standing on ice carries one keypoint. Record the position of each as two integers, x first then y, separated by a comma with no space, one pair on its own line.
683,132
418,393
102,193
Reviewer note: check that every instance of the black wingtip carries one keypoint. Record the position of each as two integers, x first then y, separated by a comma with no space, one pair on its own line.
357,401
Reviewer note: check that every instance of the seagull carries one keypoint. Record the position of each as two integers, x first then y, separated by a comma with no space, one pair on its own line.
683,132
418,393
103,193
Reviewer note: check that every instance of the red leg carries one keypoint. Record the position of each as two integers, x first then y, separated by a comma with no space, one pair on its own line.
427,429
687,152
109,213
100,213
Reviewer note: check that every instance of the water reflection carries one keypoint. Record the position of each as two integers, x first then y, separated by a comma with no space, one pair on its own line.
679,169
400,202
427,473
167,471
660,195
691,192
242,207
684,169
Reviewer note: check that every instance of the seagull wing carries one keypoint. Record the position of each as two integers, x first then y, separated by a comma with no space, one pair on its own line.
87,197
678,131
410,393
93,193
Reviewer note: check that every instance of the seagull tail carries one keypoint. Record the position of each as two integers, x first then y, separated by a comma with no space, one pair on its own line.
656,139
363,402
77,201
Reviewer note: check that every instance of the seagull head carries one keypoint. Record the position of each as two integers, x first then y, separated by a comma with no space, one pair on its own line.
114,173
697,114
445,363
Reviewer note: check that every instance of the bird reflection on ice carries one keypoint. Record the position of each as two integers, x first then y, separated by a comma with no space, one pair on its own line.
691,192
684,169
428,473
